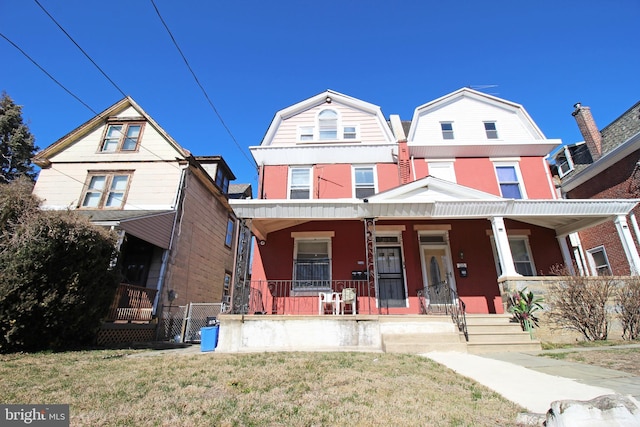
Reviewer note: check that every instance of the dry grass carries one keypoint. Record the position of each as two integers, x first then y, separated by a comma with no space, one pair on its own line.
625,360
112,388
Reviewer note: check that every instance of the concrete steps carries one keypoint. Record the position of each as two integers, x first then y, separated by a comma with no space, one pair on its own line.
417,343
490,333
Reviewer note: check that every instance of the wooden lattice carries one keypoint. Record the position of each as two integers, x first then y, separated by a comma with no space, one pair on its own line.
124,336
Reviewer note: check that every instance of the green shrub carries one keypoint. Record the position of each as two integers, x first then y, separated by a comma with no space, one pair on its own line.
55,283
523,305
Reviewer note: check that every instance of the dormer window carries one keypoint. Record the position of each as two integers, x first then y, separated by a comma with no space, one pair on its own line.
328,125
447,130
222,180
564,162
121,137
491,130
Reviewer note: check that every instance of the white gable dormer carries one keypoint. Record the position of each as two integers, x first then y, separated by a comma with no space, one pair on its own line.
327,127
468,123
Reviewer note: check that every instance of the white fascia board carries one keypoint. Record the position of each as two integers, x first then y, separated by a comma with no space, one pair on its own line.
533,147
603,163
326,153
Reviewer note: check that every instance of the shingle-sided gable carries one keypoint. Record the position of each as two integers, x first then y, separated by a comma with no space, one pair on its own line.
356,122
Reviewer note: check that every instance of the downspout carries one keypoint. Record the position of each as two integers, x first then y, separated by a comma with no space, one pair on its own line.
413,168
165,255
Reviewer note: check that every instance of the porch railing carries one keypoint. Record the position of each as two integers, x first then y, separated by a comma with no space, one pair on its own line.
132,303
441,299
301,297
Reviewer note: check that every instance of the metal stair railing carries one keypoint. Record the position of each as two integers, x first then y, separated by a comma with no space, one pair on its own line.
442,299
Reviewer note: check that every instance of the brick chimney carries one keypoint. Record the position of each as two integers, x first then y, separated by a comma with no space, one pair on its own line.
589,130
404,160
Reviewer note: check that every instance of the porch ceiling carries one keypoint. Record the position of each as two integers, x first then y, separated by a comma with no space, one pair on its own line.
563,216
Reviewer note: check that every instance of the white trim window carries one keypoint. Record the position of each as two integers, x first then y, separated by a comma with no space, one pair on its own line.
564,162
510,180
491,130
364,181
105,190
300,183
312,264
442,170
327,125
305,133
521,254
350,132
121,137
447,130
599,262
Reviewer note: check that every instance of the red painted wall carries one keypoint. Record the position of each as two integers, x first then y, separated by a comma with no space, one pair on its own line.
477,173
536,178
332,181
275,182
388,176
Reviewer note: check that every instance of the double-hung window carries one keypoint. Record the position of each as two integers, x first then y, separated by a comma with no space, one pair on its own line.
599,261
105,190
121,137
510,181
300,183
447,130
222,180
491,130
228,240
521,254
328,125
364,181
312,264
564,162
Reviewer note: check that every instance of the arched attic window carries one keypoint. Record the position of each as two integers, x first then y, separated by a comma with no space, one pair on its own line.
328,124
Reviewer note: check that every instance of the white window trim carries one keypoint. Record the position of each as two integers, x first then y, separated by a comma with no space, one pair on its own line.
453,131
592,262
357,128
510,237
310,169
485,129
439,163
567,155
296,241
516,166
353,178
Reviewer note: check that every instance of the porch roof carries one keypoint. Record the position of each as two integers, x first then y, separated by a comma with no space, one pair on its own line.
563,216
154,227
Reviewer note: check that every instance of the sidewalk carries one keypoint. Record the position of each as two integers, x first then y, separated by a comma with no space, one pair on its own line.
533,381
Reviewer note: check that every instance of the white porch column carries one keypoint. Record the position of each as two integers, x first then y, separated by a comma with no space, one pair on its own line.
502,247
578,254
566,253
628,245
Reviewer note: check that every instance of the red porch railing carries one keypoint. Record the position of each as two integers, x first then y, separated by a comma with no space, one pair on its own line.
302,297
132,303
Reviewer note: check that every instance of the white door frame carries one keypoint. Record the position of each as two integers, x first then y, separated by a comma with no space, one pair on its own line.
448,262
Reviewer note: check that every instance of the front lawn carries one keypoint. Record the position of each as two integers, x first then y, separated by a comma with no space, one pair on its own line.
125,388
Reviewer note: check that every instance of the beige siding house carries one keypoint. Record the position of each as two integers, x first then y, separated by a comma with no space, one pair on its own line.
177,232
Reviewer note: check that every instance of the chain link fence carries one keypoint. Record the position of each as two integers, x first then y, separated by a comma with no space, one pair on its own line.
182,323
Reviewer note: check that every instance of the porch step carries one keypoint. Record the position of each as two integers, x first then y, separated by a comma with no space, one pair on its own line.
497,333
423,343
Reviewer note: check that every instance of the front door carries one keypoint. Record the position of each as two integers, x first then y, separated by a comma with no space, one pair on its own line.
436,271
391,291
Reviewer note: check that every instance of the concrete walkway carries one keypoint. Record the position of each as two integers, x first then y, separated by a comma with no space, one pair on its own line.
534,382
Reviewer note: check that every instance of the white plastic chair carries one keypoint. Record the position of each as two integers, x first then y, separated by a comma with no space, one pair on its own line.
348,297
328,298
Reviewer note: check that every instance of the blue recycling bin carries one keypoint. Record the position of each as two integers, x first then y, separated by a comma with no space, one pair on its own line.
209,338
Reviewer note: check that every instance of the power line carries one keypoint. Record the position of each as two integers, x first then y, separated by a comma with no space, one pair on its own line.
215,110
81,50
48,75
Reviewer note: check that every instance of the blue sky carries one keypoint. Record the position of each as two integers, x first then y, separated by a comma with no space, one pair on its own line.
254,58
